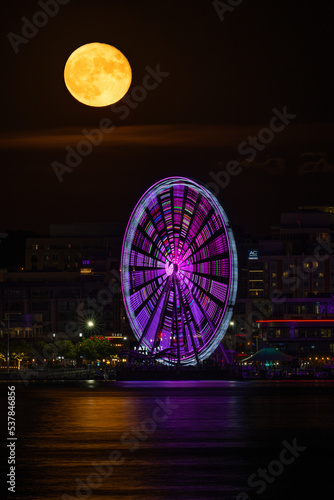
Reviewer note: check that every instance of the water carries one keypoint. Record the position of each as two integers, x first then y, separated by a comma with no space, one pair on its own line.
171,440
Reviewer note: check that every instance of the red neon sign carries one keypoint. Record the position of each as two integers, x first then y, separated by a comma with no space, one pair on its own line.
295,321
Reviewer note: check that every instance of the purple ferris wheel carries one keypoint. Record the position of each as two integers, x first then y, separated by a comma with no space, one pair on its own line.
179,271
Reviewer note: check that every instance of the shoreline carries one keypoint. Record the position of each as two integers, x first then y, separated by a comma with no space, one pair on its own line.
173,375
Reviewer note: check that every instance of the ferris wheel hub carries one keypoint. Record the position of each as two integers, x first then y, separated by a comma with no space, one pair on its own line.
171,268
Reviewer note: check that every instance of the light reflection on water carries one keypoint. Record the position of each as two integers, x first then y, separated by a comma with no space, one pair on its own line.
212,436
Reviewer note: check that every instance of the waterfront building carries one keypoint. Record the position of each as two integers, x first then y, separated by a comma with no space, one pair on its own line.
289,299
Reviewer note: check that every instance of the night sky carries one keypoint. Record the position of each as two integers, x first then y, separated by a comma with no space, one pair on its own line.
222,75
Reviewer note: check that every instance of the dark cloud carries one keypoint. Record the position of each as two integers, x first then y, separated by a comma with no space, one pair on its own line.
314,163
273,166
294,138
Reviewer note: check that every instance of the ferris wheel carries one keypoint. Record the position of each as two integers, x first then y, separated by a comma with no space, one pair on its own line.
179,271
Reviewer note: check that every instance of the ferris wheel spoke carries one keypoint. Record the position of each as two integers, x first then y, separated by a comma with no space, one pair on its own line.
182,325
188,341
208,244
169,327
165,205
178,204
144,279
150,327
150,245
141,295
218,270
154,230
209,258
145,220
140,257
166,329
144,301
175,320
205,314
193,322
162,318
175,239
211,299
153,224
192,246
157,218
182,199
147,246
192,209
178,322
211,247
209,287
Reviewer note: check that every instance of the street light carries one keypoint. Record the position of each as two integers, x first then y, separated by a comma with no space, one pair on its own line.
89,326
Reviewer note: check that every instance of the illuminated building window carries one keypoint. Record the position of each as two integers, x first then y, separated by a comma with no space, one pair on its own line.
318,284
85,270
322,237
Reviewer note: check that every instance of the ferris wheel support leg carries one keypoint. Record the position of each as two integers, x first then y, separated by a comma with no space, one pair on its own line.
162,316
224,353
178,365
147,327
189,328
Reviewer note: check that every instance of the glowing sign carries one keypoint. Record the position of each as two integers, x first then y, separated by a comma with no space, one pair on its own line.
253,254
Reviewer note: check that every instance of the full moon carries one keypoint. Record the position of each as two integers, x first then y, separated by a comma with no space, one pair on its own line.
97,74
